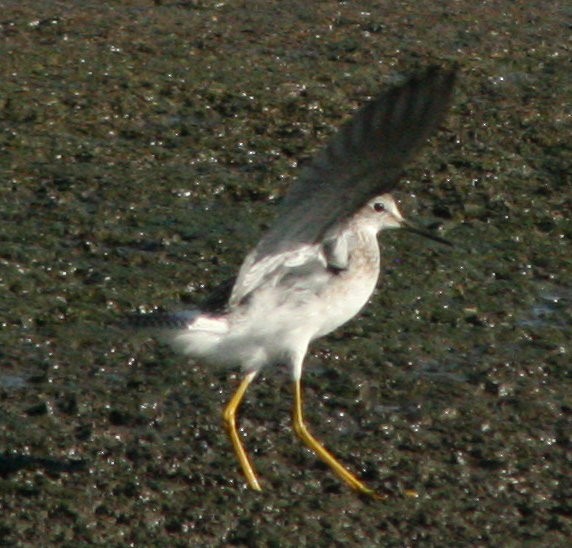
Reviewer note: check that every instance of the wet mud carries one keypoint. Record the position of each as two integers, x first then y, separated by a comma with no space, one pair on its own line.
143,149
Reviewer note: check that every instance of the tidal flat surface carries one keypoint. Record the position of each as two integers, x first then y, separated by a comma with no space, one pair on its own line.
143,149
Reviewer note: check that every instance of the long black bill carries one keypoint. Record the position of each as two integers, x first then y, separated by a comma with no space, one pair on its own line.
407,225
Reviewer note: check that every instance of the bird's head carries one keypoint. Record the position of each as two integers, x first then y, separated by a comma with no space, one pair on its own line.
381,213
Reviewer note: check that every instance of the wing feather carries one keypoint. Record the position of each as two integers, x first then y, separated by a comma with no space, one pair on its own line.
363,160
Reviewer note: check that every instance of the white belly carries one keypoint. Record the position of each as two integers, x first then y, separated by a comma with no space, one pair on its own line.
344,300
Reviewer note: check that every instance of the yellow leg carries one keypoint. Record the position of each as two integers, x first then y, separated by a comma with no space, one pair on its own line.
303,433
229,416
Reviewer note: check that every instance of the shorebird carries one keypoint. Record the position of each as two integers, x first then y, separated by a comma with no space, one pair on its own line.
318,264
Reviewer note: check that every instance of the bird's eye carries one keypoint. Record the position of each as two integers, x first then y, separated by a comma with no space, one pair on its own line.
379,207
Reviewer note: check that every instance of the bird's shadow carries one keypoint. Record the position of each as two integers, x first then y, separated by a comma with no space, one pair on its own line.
11,464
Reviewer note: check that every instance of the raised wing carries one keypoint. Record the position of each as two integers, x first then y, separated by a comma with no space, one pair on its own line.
363,160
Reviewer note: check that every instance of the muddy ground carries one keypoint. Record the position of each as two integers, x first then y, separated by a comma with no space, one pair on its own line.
143,148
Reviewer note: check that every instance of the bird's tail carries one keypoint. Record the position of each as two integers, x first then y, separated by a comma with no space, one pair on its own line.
190,332
163,320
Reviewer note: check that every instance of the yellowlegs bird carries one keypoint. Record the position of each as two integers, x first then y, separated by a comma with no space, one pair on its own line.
317,266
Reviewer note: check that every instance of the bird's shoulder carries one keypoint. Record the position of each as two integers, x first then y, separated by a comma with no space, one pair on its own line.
305,267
